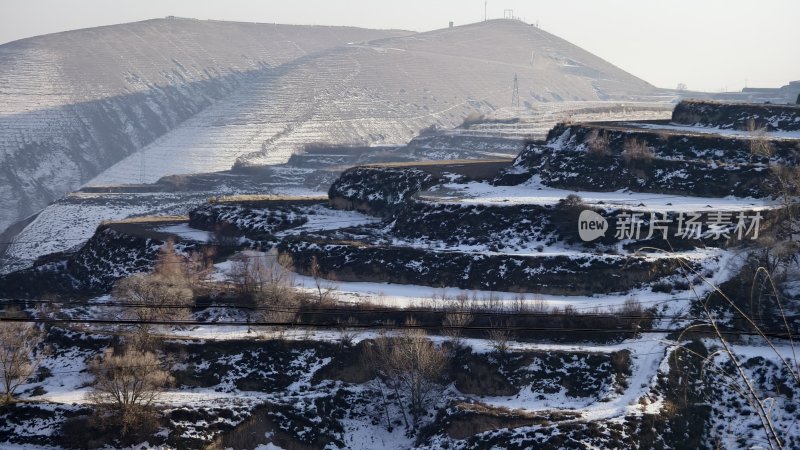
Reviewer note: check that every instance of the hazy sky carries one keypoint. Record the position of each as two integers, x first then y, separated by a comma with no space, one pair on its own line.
706,44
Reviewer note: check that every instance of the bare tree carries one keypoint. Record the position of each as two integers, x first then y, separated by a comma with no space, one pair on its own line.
19,358
266,283
276,300
149,298
246,270
169,264
198,265
183,270
128,385
413,367
325,289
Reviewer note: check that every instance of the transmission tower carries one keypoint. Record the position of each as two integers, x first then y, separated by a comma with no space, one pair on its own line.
515,93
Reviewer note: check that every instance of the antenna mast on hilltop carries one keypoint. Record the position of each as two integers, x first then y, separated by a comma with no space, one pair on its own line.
515,93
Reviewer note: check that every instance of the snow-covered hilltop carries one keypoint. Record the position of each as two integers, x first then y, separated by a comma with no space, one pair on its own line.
76,103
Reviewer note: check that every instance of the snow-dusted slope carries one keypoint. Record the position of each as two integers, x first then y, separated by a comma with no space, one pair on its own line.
70,221
382,92
74,103
385,91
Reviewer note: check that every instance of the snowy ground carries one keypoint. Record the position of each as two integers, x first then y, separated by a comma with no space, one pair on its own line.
70,222
771,373
714,130
184,231
325,218
718,265
647,358
533,192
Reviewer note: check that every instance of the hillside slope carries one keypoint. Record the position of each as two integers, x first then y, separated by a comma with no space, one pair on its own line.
381,93
110,91
74,103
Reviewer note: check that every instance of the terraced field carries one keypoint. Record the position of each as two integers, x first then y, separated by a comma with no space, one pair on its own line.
610,343
72,220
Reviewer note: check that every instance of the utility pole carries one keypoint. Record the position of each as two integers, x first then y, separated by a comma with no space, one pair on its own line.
515,93
485,17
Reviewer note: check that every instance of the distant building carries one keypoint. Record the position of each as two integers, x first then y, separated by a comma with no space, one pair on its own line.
784,94
451,24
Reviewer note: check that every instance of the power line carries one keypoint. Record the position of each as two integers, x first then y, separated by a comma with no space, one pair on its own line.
356,309
451,299
481,309
185,323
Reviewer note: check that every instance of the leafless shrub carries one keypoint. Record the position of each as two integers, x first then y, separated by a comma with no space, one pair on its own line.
246,273
760,145
266,282
631,307
787,179
198,265
632,312
347,331
500,335
636,150
181,270
597,143
537,306
458,316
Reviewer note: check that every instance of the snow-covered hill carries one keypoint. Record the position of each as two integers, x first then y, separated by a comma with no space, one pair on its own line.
76,103
72,220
